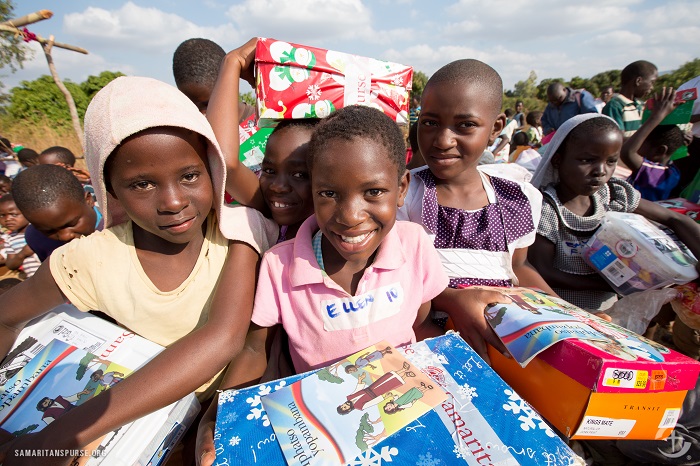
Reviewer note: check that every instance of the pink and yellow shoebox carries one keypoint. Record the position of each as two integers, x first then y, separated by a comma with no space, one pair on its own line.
298,81
596,390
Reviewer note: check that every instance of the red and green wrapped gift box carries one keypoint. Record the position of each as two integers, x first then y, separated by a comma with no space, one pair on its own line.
297,81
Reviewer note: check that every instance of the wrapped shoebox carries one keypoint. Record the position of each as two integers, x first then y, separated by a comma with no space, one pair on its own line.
482,422
252,143
626,387
633,254
297,81
682,206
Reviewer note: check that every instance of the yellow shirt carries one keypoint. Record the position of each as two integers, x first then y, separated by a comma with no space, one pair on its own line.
102,272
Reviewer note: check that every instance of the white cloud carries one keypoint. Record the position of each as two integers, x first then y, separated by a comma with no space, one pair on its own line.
135,27
616,39
305,21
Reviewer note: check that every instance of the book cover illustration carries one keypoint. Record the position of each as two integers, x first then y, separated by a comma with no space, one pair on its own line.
534,321
59,378
334,415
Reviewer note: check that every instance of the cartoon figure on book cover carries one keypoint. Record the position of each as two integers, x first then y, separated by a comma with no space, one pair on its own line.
374,393
349,406
56,380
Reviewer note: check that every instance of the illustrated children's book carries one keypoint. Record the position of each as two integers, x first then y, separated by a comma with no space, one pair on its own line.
58,379
337,413
534,321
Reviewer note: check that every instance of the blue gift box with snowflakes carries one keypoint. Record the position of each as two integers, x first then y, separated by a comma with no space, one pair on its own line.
482,422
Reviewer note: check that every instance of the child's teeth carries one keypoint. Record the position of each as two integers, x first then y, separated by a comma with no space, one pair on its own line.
354,239
279,205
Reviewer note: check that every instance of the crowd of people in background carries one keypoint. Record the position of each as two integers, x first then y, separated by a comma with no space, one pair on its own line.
145,236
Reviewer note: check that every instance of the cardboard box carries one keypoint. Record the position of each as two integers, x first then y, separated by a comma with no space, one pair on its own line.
682,206
297,81
482,422
588,393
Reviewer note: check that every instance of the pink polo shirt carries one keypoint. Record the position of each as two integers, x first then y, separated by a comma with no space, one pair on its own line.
323,321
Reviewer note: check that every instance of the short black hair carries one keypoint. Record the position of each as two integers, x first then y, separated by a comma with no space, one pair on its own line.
197,61
360,122
63,154
27,155
40,186
586,129
670,136
5,145
473,73
5,179
509,112
639,68
7,198
521,139
306,123
7,283
531,118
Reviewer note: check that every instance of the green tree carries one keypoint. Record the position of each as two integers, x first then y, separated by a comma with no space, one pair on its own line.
420,79
527,88
606,78
249,98
13,52
683,74
41,98
93,84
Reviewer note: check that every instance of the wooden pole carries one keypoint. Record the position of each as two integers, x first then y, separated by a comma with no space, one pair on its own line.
69,98
31,18
43,41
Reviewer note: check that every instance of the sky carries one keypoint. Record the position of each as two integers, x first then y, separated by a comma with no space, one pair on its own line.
555,39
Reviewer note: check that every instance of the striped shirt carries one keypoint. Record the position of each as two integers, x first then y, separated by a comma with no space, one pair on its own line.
626,113
14,243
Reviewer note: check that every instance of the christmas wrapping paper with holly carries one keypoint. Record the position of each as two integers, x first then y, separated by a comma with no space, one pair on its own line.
297,81
482,422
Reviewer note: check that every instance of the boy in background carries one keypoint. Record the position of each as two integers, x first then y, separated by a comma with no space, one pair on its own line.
196,64
636,81
59,210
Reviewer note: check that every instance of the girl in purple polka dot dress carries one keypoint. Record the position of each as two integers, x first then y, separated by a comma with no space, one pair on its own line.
481,225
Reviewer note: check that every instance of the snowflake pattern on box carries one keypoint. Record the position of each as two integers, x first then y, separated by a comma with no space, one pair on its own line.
528,417
372,457
313,92
517,435
428,460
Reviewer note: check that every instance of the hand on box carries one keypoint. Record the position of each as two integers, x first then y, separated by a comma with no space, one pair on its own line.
204,450
245,55
466,309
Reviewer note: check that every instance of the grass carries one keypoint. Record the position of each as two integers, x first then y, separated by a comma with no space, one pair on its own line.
42,136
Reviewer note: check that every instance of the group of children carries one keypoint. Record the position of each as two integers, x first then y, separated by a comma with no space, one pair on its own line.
334,247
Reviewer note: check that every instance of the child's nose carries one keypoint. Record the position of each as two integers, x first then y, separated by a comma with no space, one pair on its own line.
279,184
444,138
172,199
350,212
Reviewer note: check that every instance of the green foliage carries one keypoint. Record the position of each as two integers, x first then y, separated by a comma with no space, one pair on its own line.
527,88
41,98
676,78
13,51
249,98
93,84
420,79
26,430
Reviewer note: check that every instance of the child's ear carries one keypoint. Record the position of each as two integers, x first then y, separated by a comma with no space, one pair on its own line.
556,160
498,126
662,151
403,187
